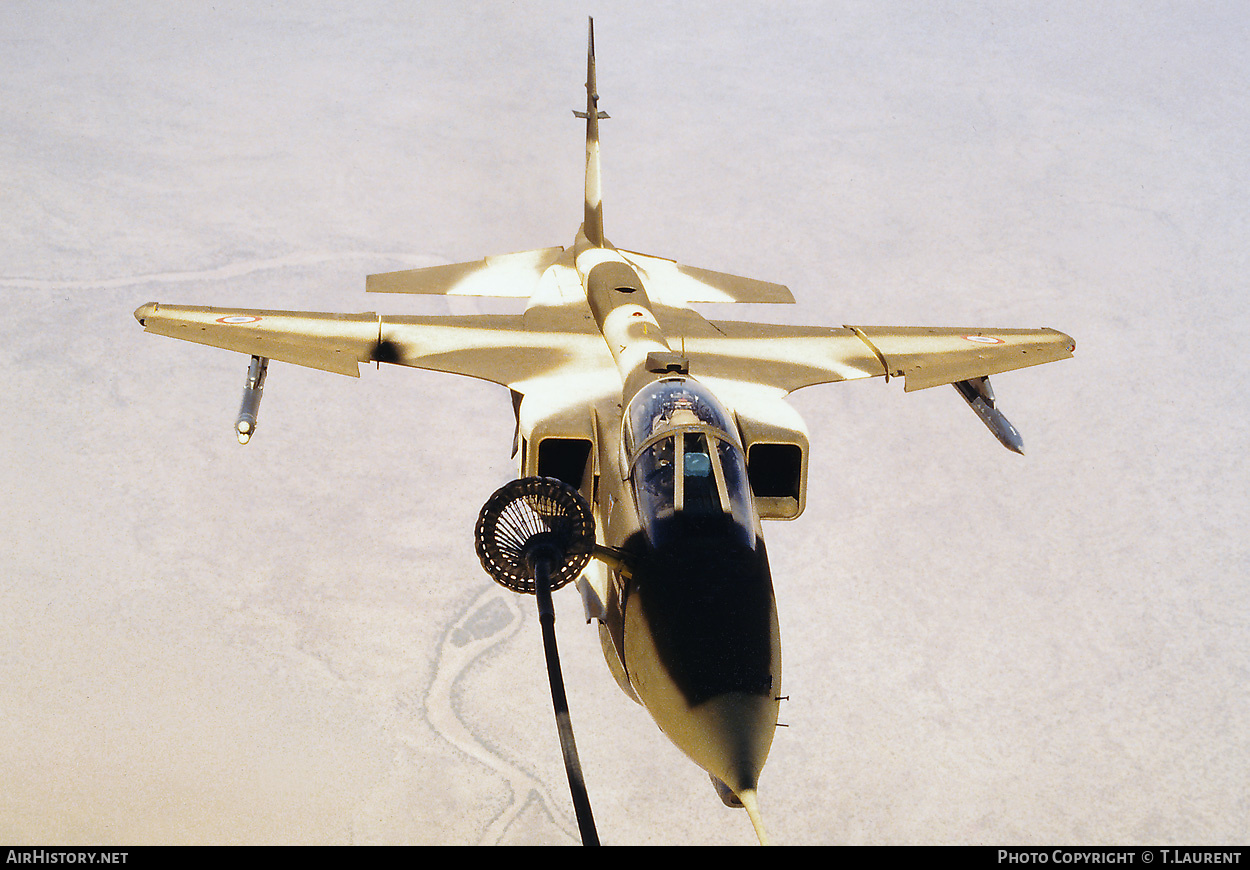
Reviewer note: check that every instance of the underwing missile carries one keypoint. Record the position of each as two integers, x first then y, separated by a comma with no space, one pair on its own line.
245,425
980,398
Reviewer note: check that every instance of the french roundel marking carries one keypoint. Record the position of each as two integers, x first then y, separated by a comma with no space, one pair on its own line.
238,318
983,339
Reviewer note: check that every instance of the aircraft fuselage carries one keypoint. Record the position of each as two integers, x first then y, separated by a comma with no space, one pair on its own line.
688,620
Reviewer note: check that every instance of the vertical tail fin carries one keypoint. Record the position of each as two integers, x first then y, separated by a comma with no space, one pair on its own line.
593,222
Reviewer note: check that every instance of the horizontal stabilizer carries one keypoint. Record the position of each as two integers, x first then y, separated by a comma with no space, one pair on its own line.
510,275
671,283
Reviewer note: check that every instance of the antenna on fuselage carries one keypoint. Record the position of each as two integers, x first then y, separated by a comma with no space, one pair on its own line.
592,224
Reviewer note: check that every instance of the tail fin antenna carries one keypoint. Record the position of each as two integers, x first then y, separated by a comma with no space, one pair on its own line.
593,222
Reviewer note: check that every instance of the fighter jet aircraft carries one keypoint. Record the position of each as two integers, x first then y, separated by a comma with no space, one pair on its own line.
672,427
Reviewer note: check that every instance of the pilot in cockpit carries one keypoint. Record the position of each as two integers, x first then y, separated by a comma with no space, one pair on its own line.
684,460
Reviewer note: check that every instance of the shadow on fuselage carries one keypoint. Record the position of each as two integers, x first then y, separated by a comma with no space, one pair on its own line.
707,597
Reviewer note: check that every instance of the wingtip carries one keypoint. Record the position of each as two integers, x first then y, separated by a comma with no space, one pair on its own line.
144,311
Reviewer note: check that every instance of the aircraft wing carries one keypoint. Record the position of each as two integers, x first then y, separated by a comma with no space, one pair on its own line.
780,356
792,357
330,342
511,349
514,350
929,356
506,349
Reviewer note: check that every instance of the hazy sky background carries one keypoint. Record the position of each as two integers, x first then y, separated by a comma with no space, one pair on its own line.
293,641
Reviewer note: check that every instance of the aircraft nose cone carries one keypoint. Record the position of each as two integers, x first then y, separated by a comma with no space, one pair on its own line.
729,736
703,653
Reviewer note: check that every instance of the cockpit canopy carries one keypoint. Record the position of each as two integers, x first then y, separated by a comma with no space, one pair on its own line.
686,463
